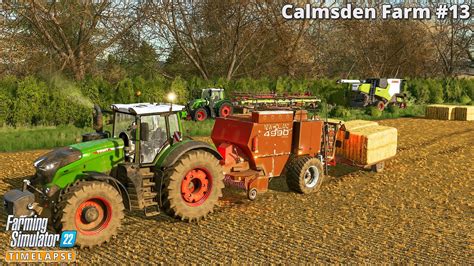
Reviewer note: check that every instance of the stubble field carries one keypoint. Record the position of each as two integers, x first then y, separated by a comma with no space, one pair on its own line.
420,209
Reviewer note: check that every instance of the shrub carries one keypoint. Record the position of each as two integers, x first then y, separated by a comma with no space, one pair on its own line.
178,86
340,111
436,91
465,99
393,109
28,102
374,112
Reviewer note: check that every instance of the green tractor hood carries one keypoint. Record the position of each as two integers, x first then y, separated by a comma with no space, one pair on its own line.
64,165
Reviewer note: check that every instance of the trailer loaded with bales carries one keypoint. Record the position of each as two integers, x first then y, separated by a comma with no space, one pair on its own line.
146,164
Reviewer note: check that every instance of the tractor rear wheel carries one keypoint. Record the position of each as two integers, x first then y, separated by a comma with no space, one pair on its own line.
305,175
200,114
93,208
225,110
192,186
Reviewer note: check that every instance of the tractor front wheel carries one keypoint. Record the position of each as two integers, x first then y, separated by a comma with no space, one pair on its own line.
92,208
200,114
192,186
305,175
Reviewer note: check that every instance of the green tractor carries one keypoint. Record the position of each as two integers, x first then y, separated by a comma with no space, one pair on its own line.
211,104
143,164
377,92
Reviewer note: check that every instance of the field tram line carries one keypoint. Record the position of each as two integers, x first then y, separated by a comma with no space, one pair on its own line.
243,243
152,242
445,149
287,245
434,141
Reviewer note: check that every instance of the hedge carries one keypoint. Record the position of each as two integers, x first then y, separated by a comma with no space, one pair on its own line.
32,101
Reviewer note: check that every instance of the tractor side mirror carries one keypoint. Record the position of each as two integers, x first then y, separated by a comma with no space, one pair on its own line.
144,131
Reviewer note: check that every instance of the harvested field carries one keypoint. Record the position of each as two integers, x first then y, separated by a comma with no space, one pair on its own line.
419,210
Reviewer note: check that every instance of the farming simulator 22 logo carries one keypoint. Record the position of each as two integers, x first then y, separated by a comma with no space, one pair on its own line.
32,232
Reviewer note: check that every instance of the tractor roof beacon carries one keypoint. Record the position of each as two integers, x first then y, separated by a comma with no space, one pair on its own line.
143,164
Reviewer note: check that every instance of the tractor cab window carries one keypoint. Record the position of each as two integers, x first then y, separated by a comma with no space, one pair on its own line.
219,95
156,137
206,94
174,125
125,127
124,123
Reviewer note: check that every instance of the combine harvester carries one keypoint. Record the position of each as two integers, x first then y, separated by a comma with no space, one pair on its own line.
377,92
146,164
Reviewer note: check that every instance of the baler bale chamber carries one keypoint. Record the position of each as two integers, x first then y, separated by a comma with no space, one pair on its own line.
264,144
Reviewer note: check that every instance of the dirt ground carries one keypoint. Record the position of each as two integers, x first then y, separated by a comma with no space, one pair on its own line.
419,210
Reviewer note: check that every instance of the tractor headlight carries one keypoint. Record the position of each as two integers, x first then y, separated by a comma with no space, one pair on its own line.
50,166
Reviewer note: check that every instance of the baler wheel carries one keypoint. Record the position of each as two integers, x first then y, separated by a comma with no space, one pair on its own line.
252,194
378,167
192,186
305,174
93,208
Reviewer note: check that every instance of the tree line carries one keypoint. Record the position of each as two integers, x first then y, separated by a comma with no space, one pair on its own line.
229,39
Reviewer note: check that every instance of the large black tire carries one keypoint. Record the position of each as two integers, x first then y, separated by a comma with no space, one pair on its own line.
93,208
304,174
200,114
192,186
225,110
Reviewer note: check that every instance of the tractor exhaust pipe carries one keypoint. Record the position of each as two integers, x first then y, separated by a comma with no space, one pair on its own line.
98,124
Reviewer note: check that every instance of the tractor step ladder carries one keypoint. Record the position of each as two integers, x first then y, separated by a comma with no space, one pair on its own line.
144,185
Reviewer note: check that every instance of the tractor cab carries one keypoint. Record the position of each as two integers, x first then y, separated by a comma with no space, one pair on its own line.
212,94
146,129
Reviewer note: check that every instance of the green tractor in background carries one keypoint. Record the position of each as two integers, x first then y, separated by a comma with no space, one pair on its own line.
143,164
377,92
211,104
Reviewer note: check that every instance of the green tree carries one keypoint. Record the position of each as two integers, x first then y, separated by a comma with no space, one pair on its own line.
179,87
28,102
